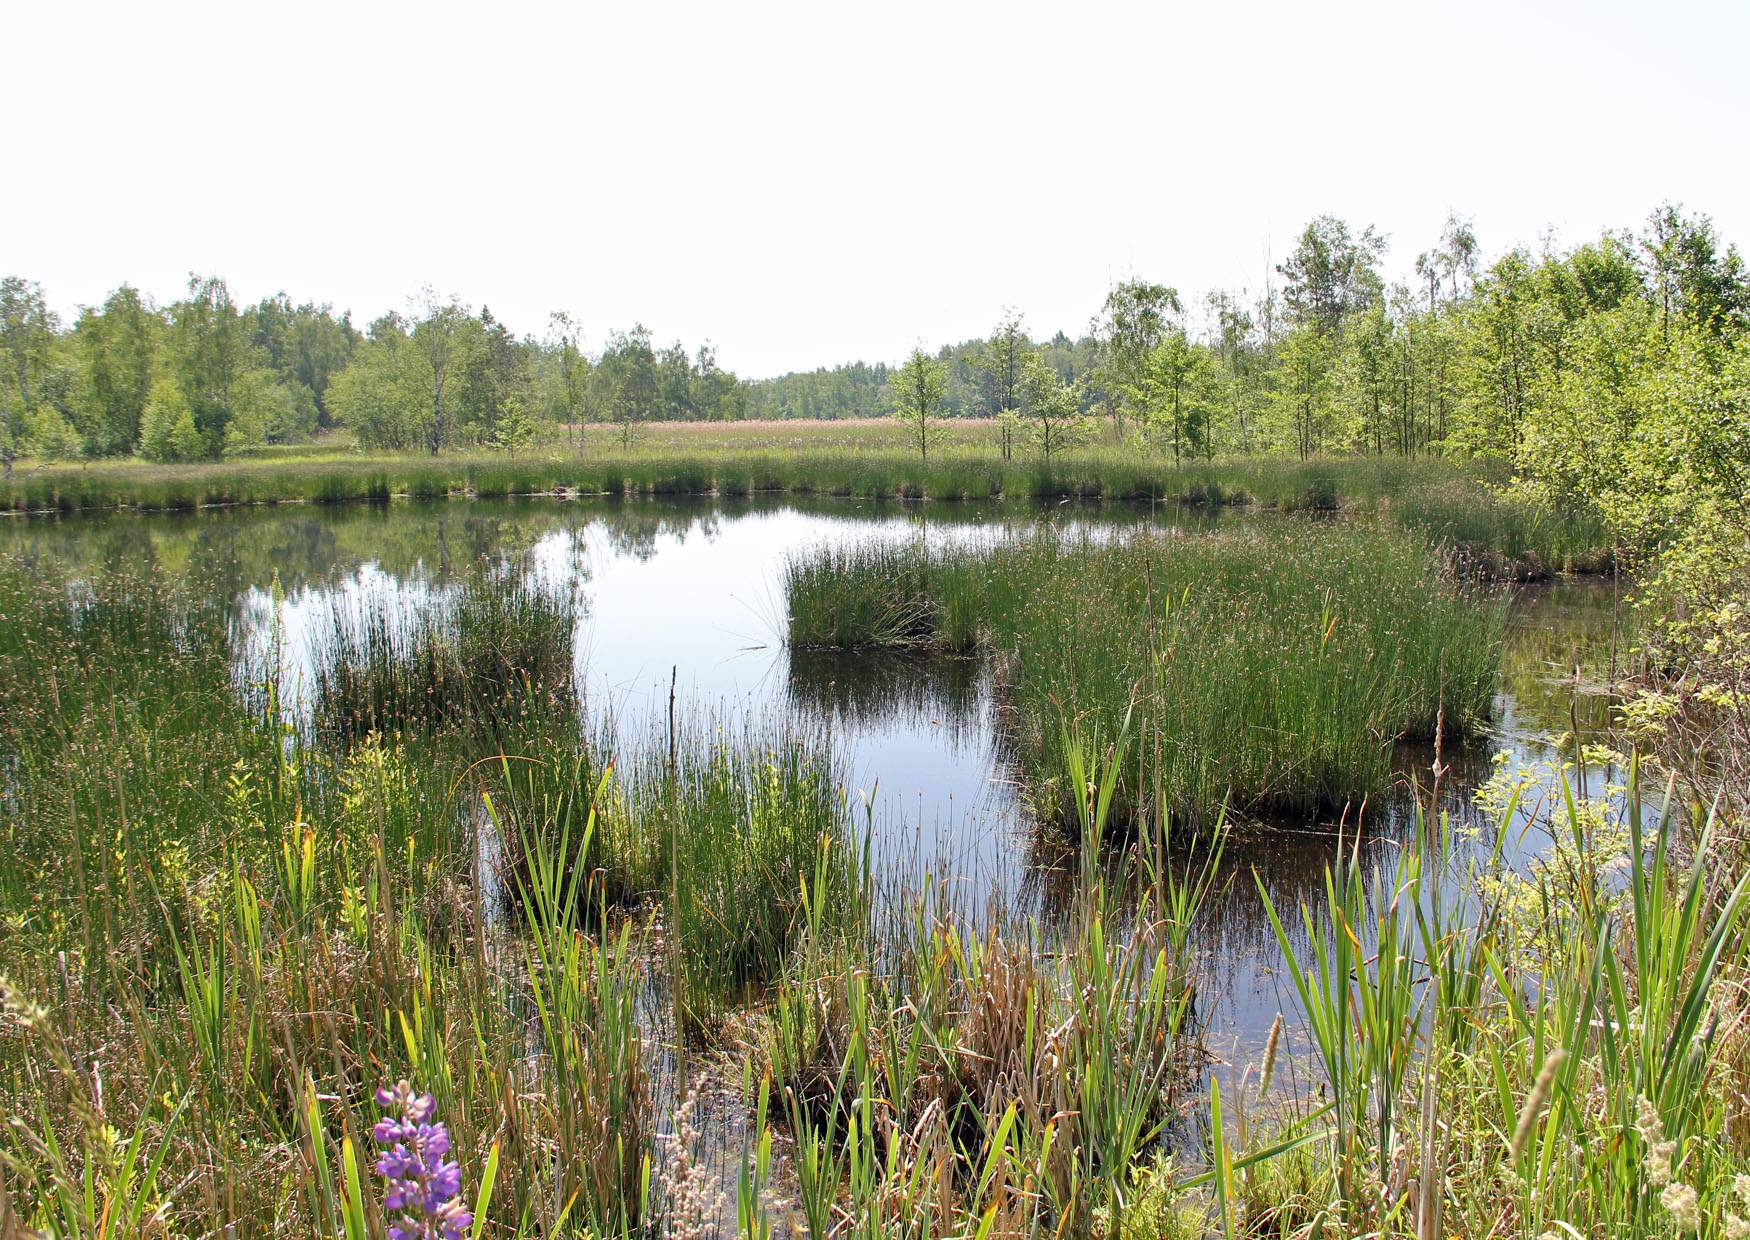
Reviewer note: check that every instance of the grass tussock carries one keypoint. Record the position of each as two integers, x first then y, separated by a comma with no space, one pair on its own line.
1029,1074
1503,536
725,836
1271,668
496,647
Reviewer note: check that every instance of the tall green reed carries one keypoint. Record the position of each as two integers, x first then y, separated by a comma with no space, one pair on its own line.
1547,1052
499,647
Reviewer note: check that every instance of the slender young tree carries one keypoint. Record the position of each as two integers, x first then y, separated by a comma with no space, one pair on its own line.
1691,275
1368,369
1051,406
626,377
999,364
1304,395
917,393
1177,373
437,336
567,345
1458,255
1235,351
1135,319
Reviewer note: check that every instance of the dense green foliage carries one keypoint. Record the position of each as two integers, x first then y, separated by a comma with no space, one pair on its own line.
204,377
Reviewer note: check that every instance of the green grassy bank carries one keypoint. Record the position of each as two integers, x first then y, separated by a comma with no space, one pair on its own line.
1453,503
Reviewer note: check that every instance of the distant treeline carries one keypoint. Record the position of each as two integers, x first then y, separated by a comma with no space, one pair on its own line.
1326,357
862,389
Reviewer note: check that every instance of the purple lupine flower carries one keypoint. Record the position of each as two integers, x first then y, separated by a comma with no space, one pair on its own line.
422,1185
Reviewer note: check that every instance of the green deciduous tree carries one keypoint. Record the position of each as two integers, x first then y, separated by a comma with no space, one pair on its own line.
1173,397
625,376
1050,406
27,333
382,396
303,344
999,365
516,429
439,338
1135,319
1693,278
571,373
495,369
210,353
1303,394
917,398
1242,363
1367,375
1331,273
116,347
167,428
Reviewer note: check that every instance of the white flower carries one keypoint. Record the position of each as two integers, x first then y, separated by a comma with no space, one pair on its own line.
1659,1162
1684,1205
1647,1121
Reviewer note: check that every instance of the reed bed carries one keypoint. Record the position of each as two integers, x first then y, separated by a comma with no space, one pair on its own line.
750,822
723,829
1506,537
494,647
1546,1054
1270,668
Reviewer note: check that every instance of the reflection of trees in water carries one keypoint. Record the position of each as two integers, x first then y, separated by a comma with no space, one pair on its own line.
635,527
888,689
304,545
312,543
106,540
1556,627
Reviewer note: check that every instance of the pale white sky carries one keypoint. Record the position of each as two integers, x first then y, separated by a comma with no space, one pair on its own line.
810,183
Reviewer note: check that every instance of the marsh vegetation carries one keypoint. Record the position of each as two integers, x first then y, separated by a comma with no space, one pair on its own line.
299,803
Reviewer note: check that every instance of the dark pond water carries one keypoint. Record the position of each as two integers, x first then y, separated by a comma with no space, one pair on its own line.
691,593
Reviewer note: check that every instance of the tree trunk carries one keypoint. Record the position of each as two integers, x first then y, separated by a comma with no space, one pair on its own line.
437,415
